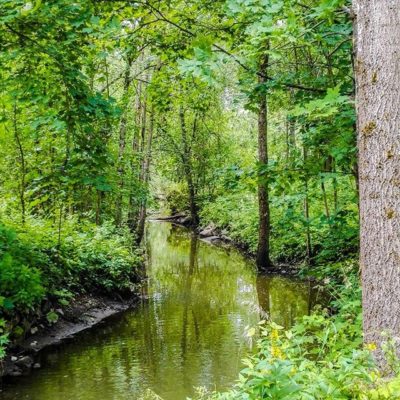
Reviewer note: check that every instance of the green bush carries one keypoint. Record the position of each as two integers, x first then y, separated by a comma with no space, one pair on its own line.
20,284
236,212
38,262
3,338
176,198
86,258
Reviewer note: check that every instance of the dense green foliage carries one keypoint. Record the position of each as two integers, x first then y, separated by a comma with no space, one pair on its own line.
108,108
36,266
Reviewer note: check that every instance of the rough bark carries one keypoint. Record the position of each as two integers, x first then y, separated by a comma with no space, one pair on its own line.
263,260
378,108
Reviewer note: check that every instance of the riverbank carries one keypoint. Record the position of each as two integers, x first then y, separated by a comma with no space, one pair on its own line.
187,332
84,312
55,283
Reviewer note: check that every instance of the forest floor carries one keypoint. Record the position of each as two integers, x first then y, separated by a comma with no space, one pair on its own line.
84,312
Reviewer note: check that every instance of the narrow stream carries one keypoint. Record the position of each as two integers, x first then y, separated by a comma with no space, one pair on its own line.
188,333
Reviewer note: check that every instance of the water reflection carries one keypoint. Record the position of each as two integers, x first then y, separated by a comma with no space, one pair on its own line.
188,332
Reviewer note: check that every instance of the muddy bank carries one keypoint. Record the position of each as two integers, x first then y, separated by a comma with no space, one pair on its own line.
83,313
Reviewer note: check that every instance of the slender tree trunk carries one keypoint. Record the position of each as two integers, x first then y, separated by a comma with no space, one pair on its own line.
98,206
325,198
22,185
335,189
122,145
263,259
132,209
378,104
307,208
188,168
145,175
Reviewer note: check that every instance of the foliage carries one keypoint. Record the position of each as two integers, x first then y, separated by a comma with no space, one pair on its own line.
3,338
320,357
106,105
36,264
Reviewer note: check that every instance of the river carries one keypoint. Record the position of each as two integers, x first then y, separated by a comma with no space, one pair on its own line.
187,332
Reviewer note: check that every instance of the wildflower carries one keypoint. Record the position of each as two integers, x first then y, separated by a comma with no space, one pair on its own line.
276,352
274,334
371,346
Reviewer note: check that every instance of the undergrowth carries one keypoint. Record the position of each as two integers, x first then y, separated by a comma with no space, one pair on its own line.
41,264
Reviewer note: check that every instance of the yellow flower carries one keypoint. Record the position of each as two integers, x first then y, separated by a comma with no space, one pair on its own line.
274,334
276,352
371,346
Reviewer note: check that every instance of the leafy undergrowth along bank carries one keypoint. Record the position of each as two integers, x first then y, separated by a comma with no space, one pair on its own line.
321,357
42,269
236,214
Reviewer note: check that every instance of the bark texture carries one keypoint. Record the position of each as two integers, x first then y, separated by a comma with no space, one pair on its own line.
377,36
263,260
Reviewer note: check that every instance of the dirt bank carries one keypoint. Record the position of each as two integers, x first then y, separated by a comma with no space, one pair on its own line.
83,313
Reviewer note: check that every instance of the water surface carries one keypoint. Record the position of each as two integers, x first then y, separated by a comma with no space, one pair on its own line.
188,332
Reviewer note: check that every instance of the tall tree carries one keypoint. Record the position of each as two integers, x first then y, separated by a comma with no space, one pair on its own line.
263,259
378,101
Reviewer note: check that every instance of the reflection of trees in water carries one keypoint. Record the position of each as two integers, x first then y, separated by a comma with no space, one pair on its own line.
189,333
204,290
284,300
262,286
187,296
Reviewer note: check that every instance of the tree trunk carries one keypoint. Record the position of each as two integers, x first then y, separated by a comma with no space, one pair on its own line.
263,260
140,112
22,185
122,145
188,169
145,174
378,102
307,208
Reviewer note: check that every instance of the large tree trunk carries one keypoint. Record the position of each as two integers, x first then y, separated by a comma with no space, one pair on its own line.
263,260
378,105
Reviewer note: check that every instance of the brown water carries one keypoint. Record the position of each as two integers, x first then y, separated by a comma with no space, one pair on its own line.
189,332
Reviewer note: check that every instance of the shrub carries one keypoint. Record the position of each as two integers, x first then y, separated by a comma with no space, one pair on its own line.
321,357
37,262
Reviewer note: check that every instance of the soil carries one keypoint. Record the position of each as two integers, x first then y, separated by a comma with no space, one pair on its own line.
83,313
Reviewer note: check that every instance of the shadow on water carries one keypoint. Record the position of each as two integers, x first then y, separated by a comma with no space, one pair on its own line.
187,332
